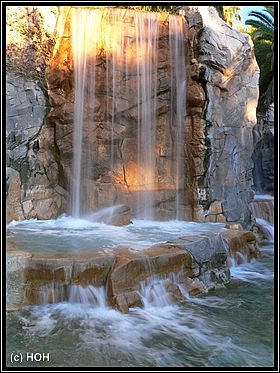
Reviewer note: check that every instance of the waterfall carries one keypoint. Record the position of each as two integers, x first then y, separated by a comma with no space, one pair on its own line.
263,207
162,290
237,258
114,51
153,292
88,295
146,39
86,33
53,292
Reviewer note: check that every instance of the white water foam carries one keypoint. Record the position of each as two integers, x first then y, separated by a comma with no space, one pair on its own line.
263,196
68,234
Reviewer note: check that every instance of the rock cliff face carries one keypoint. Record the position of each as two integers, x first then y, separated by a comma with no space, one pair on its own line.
229,75
263,155
222,93
33,189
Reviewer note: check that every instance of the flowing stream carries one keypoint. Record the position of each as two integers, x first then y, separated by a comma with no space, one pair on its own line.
229,327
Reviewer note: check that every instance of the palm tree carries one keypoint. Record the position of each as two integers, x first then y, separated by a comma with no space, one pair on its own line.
262,33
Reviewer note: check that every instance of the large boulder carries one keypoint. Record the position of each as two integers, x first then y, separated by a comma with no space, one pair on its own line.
229,74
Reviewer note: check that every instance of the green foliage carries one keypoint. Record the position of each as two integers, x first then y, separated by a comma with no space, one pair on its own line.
229,14
152,8
29,46
262,34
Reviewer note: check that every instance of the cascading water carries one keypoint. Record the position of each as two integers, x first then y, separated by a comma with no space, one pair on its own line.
212,331
53,292
121,44
146,36
86,34
262,208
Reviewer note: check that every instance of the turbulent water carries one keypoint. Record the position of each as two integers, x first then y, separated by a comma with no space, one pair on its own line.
67,234
230,327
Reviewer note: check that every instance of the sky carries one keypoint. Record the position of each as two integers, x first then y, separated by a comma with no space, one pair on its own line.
244,11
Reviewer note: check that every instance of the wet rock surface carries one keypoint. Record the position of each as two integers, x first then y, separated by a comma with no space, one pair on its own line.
196,264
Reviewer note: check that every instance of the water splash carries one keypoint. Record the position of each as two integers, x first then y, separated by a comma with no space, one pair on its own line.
160,290
267,227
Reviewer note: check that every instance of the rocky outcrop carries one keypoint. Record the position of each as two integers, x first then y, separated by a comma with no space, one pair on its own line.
193,265
33,168
263,155
124,272
209,253
33,189
130,269
229,75
26,110
13,192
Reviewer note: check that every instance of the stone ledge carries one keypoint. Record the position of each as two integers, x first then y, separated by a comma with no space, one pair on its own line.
198,263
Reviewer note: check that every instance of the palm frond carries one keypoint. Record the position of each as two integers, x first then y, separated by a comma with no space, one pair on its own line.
263,18
262,34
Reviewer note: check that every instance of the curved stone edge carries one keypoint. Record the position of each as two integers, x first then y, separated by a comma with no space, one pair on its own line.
199,262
